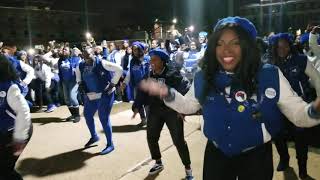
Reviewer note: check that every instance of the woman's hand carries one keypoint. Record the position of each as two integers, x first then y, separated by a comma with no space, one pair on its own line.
154,88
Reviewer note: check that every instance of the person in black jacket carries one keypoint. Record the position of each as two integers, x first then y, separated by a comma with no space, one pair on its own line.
159,113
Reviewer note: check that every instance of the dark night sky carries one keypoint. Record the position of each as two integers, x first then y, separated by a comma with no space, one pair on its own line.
144,10
93,5
195,12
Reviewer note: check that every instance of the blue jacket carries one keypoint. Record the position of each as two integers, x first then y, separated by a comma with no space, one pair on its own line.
294,70
95,77
67,68
138,70
236,126
112,56
16,65
7,121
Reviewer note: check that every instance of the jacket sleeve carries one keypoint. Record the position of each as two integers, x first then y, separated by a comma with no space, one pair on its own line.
182,85
49,59
59,71
78,75
313,44
127,78
20,106
29,71
314,75
117,69
104,53
187,104
47,75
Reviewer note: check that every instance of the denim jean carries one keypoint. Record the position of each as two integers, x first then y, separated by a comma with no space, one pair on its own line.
70,93
51,94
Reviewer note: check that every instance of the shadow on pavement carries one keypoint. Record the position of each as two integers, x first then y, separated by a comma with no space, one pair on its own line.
127,128
61,163
151,177
48,120
289,174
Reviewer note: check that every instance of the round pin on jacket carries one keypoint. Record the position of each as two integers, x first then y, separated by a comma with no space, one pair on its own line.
3,94
241,108
270,93
240,96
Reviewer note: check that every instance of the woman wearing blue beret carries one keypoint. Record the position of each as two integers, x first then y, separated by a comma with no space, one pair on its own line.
160,114
241,101
297,70
139,68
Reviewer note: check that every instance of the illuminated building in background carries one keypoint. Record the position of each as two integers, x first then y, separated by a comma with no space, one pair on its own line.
280,15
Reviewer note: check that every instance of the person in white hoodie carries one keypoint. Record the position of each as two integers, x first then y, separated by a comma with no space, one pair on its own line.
45,74
15,124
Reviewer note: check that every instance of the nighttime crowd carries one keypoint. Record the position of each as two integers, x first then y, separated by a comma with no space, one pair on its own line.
251,91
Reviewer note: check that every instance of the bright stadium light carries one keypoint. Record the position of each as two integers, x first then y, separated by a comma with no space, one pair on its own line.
31,51
174,21
191,28
88,35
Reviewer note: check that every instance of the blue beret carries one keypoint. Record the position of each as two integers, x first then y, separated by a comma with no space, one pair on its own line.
203,34
242,22
275,38
22,52
138,44
145,45
271,40
304,38
161,53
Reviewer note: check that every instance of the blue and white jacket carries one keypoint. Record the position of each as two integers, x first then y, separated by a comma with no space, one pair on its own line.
236,123
97,76
14,112
67,68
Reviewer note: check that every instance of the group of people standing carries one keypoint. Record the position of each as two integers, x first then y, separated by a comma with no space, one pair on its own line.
245,103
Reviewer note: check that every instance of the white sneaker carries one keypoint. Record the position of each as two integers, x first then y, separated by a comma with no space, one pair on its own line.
156,169
189,174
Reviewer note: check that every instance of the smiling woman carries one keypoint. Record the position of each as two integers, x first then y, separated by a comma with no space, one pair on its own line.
228,50
241,102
